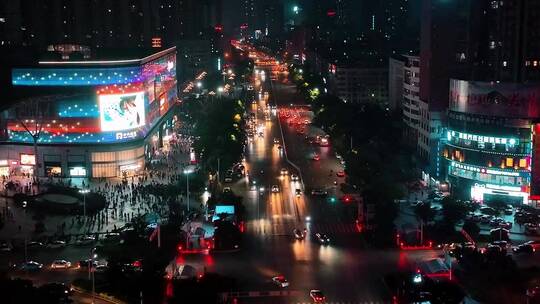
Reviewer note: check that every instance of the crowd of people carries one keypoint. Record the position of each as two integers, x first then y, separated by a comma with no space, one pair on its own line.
125,197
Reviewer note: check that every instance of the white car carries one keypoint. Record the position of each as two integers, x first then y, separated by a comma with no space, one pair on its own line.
294,177
275,189
60,264
280,281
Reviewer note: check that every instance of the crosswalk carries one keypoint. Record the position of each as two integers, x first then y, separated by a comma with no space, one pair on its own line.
286,228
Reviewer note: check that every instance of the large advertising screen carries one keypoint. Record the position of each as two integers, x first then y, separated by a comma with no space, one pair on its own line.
120,112
495,99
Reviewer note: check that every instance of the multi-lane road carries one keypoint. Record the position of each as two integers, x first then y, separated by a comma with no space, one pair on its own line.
346,270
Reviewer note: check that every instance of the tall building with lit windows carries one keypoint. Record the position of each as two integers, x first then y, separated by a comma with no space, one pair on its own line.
489,78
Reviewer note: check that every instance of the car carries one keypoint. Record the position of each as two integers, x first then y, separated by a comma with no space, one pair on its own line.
316,157
280,147
505,225
275,189
276,141
317,296
495,222
531,229
284,171
228,179
488,210
319,192
5,246
485,219
31,266
298,234
34,245
280,281
322,238
60,264
534,244
298,192
509,210
85,240
84,264
340,174
227,190
56,244
324,142
523,248
497,247
338,156
294,177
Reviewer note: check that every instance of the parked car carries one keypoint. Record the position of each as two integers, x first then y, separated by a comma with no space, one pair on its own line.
85,240
531,229
31,266
56,244
523,248
34,245
60,264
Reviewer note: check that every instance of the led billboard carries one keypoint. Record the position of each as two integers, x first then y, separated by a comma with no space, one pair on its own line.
120,112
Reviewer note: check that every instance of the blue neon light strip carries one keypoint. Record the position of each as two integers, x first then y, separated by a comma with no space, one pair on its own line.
74,138
76,76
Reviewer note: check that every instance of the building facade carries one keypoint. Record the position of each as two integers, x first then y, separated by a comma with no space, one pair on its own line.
492,139
119,114
359,84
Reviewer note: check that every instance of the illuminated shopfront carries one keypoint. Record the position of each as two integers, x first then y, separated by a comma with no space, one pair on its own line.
489,141
100,132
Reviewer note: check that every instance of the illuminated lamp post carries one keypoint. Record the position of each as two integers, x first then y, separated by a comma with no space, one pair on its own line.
187,171
84,192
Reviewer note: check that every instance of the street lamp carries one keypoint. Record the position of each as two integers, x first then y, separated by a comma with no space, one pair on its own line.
93,257
84,191
199,84
187,171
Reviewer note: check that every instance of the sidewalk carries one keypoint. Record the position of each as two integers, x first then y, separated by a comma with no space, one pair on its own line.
123,201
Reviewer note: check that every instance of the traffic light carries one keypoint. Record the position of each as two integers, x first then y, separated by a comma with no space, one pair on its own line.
332,199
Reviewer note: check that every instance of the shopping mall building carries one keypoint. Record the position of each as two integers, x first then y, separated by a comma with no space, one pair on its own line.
105,118
492,141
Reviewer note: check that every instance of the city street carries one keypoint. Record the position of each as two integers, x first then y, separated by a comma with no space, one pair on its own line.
346,270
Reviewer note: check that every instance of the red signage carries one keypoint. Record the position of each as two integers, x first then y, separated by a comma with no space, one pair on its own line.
495,99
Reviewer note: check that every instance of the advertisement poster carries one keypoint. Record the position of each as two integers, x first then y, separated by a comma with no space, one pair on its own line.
121,112
495,99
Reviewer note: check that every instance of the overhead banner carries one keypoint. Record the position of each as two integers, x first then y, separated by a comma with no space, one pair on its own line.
495,99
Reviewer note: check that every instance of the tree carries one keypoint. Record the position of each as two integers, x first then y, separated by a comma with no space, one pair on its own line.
453,211
31,114
424,213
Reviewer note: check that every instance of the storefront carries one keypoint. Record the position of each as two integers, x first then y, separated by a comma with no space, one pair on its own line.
4,168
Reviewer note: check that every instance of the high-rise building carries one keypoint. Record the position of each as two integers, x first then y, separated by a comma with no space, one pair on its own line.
103,23
479,64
